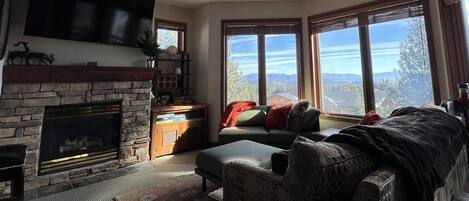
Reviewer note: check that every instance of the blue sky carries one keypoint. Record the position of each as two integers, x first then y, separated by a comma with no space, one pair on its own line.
339,50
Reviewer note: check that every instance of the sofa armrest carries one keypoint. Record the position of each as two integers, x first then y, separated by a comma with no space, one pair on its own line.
244,181
384,184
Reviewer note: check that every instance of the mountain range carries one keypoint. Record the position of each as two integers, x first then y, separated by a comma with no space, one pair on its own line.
326,77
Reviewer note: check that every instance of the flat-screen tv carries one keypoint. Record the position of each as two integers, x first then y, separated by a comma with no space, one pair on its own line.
116,22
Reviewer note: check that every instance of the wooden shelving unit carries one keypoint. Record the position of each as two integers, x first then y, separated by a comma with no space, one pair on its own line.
173,137
183,79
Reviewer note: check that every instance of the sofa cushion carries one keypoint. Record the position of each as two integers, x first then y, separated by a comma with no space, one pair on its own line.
311,120
371,118
325,171
212,160
278,116
252,118
233,134
230,115
280,159
279,136
265,108
297,115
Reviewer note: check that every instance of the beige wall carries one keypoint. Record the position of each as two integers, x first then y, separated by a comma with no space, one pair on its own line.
178,14
208,45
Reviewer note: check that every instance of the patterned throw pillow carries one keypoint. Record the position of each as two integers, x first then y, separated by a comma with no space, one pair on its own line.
325,171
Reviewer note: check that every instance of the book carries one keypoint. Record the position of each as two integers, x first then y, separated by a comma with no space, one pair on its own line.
164,116
165,121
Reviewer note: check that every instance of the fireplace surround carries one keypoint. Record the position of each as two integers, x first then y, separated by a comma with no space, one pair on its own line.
79,135
25,111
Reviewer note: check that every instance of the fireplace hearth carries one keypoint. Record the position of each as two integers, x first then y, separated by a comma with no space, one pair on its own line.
79,135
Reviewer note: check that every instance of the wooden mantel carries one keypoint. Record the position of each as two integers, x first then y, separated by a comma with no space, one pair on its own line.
54,74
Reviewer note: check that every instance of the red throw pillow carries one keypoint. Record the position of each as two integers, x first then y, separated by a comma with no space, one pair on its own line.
232,111
370,118
278,116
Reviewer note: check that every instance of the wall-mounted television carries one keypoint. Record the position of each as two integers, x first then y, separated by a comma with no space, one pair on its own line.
116,22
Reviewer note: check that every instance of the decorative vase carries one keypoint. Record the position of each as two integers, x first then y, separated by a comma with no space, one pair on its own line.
151,63
178,71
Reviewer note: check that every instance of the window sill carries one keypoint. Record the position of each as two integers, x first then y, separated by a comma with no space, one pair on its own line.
341,117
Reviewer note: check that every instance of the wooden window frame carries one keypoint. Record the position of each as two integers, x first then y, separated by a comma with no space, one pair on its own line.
181,27
455,43
355,12
261,50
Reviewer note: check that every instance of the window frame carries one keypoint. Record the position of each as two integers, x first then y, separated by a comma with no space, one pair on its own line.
455,44
181,27
361,12
261,52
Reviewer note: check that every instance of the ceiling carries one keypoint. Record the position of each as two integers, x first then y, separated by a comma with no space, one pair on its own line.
197,3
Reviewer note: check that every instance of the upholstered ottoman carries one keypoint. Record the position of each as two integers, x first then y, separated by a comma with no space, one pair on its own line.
210,162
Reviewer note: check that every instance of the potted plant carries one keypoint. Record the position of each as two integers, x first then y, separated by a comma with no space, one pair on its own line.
149,47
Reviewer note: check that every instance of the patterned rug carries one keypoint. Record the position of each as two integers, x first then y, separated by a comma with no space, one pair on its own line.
182,188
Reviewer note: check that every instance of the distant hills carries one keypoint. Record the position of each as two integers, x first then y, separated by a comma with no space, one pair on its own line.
326,77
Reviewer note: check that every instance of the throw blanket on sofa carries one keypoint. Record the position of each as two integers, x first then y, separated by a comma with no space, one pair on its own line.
422,143
232,112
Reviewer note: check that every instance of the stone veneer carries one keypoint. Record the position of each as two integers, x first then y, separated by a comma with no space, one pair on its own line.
22,111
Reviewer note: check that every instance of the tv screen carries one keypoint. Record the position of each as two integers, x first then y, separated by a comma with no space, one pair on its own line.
116,22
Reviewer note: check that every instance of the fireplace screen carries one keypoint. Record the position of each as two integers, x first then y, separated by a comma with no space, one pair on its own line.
79,135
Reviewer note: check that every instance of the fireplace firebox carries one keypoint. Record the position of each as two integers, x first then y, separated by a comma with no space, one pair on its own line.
74,136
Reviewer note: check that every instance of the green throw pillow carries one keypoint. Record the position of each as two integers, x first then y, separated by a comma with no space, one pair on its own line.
252,118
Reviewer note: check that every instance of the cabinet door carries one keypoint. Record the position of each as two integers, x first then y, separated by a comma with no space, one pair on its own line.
166,138
190,135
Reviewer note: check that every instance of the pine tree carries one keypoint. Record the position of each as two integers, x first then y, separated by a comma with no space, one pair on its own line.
414,84
237,89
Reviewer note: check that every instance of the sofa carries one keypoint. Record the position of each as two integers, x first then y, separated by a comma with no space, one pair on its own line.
329,181
251,125
327,171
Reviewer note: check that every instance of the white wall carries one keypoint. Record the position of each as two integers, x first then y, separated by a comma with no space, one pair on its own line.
201,38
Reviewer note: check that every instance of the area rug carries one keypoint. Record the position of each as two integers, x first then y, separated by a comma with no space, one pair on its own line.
182,188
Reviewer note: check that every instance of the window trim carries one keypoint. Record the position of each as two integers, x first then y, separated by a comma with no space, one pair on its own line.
261,49
181,27
455,45
354,11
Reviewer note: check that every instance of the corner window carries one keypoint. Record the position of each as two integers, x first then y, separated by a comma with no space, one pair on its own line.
341,72
372,59
400,64
170,33
262,61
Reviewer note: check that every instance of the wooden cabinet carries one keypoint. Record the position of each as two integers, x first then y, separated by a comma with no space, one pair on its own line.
173,137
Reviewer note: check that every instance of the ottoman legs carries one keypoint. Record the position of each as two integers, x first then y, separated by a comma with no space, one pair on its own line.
204,184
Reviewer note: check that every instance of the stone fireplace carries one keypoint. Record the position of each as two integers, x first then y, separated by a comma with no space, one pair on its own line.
75,129
79,135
